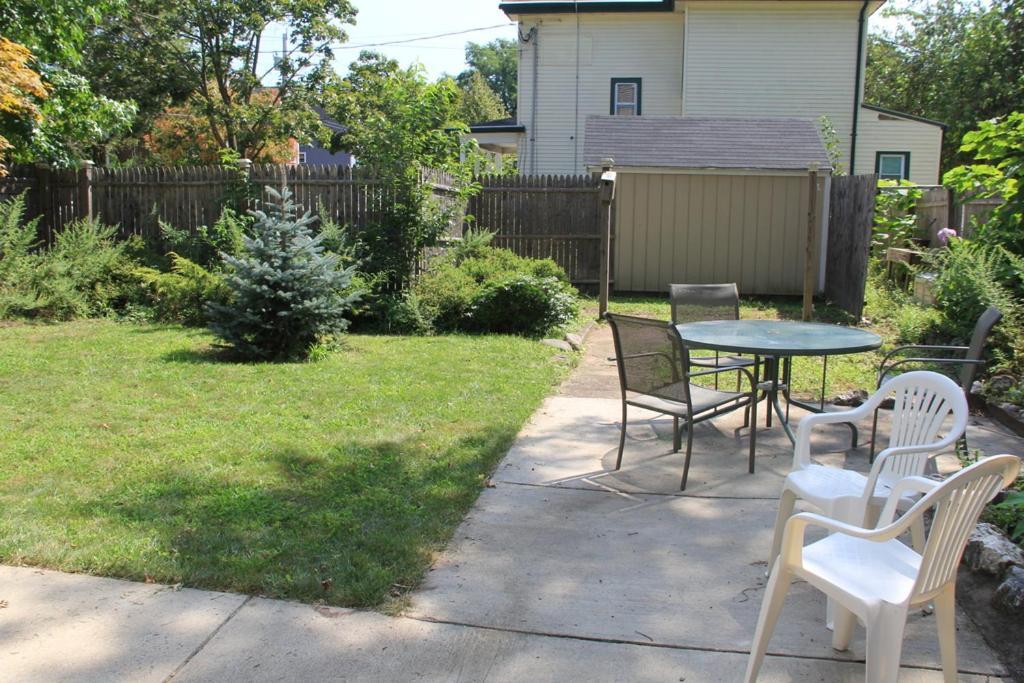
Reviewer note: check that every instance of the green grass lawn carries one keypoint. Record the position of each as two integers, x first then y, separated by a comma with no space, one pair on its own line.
856,371
132,451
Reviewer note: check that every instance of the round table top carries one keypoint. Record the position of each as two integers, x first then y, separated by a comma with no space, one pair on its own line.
777,337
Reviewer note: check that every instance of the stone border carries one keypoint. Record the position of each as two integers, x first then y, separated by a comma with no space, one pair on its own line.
1004,417
990,552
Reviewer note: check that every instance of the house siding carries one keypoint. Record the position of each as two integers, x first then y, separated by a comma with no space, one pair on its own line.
611,46
790,59
883,133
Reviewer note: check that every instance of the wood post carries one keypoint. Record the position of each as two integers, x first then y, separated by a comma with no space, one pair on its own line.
44,201
812,221
607,196
85,205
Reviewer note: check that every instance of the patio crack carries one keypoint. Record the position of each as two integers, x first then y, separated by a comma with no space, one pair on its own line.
207,639
668,646
608,490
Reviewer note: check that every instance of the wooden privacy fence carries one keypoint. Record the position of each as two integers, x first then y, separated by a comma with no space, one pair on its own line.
851,215
557,217
187,197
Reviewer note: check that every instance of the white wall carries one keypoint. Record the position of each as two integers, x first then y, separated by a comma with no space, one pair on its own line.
882,133
793,59
644,45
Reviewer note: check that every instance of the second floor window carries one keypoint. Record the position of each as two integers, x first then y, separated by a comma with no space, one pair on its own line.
626,94
892,165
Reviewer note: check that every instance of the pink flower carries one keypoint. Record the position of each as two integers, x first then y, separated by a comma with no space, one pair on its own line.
944,235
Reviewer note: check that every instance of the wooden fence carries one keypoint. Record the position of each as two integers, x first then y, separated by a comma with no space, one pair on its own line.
557,217
940,208
187,197
851,215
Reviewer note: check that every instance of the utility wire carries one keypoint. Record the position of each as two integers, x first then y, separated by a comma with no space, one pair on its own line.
343,46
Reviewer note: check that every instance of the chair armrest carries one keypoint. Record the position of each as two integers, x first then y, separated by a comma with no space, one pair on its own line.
802,448
902,487
885,365
796,529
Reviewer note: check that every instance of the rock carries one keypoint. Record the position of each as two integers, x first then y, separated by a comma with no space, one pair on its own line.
977,388
557,343
1009,597
990,551
1000,384
888,403
575,341
851,398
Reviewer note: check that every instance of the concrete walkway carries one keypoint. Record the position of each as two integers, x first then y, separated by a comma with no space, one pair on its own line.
565,570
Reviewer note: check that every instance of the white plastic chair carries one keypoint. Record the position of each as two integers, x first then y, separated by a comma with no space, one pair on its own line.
872,575
923,401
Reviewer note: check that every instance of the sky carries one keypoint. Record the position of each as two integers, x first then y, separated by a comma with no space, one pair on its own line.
395,20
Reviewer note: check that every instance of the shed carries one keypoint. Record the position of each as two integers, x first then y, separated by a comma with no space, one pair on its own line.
702,200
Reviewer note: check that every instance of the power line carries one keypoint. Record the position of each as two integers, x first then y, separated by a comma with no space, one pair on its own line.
343,46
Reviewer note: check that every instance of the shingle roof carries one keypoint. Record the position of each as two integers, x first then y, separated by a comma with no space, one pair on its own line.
700,142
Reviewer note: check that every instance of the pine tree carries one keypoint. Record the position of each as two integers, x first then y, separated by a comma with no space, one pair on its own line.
287,292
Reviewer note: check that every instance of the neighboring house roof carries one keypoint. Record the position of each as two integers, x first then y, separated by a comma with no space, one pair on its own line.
701,142
497,126
901,115
331,124
570,7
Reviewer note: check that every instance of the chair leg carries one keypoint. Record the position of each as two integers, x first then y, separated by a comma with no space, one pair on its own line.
885,643
843,622
689,452
787,501
874,437
753,435
622,437
677,440
945,619
771,606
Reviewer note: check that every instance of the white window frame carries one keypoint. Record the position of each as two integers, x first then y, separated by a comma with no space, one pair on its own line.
636,105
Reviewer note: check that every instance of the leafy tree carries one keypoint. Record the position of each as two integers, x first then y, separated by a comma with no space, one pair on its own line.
55,30
398,124
20,87
219,44
498,63
287,293
477,102
957,61
998,171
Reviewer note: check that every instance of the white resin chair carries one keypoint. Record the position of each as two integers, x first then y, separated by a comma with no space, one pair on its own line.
872,575
923,402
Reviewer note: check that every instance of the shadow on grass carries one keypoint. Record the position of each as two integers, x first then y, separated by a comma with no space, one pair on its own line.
355,526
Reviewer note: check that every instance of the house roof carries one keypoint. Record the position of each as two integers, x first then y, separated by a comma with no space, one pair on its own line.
508,125
901,115
772,144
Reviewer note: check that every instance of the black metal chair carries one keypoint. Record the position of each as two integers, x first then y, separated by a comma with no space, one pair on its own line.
695,303
654,373
970,361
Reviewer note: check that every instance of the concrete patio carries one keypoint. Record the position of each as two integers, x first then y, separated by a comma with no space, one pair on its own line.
565,569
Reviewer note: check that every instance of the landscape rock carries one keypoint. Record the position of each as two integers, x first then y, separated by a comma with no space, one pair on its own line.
990,551
1009,597
852,398
575,341
557,343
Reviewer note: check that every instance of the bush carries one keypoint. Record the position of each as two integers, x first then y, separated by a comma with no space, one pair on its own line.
403,314
483,289
523,304
287,294
917,324
206,244
87,271
183,294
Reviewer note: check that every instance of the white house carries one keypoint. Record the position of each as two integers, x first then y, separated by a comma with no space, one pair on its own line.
775,59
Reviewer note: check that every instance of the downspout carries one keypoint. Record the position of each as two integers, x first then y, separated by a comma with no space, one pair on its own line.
858,75
534,36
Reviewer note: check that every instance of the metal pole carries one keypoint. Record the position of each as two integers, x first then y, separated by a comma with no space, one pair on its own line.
607,194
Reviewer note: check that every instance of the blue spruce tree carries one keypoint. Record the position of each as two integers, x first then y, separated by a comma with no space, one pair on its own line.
287,293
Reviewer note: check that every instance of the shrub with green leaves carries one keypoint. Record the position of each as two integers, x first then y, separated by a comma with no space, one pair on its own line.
484,289
205,245
183,294
895,224
287,295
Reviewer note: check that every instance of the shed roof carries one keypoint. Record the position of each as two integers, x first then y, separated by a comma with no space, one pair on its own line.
772,144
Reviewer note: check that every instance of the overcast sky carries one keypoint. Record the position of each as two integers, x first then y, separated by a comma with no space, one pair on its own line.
381,21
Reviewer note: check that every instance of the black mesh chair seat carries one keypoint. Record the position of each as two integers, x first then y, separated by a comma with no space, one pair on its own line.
671,400
722,361
654,373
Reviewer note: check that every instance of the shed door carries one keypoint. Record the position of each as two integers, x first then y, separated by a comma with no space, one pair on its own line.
748,229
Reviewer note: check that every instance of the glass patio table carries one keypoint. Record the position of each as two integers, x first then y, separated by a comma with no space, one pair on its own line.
777,342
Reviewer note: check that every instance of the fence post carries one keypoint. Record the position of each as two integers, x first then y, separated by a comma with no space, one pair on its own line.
812,212
607,197
44,201
85,207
